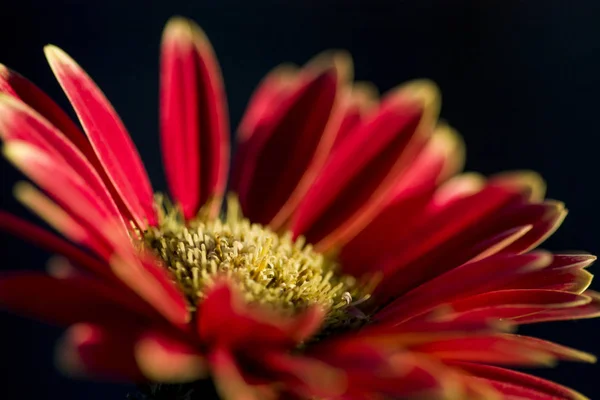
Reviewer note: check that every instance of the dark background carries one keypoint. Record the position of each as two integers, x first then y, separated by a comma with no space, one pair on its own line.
520,81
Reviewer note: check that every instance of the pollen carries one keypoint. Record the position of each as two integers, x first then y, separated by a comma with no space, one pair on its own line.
270,268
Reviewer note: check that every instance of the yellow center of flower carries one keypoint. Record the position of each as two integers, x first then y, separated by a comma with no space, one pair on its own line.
270,268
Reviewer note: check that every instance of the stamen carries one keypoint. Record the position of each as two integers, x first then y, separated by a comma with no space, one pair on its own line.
270,268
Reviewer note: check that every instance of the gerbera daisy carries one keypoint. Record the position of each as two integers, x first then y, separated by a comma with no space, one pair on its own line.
351,259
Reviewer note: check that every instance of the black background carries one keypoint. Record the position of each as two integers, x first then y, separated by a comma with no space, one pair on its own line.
520,81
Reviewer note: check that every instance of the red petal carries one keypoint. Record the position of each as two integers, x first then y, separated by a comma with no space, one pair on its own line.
152,283
442,157
466,280
48,241
163,358
411,333
224,307
17,86
360,174
70,192
18,122
501,349
92,350
400,375
228,378
530,183
565,280
69,300
435,246
362,100
589,310
518,384
107,134
303,124
274,88
545,219
194,122
526,297
305,376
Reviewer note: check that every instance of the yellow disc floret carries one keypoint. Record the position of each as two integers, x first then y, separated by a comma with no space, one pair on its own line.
270,268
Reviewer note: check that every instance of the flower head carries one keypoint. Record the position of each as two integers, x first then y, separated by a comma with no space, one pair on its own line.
352,259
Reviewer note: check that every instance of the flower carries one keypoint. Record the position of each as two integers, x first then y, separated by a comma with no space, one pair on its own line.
354,260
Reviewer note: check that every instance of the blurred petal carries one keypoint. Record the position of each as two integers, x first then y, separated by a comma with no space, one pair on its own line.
51,242
88,350
162,358
590,309
228,379
68,300
151,282
255,327
518,384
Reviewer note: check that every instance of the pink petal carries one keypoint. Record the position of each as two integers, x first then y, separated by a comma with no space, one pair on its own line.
285,151
194,121
107,134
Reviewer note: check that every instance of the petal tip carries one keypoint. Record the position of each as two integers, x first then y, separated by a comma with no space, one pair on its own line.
183,30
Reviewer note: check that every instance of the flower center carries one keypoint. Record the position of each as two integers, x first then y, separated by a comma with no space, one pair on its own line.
269,268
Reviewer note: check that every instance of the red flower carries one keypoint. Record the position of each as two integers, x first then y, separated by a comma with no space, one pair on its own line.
160,293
